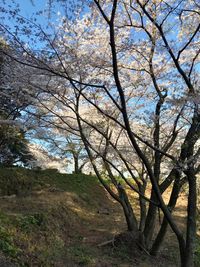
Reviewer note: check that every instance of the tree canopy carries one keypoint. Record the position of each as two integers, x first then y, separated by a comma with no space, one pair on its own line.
123,78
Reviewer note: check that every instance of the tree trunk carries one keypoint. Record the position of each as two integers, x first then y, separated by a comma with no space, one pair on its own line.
191,221
128,211
160,238
76,164
172,203
142,203
150,221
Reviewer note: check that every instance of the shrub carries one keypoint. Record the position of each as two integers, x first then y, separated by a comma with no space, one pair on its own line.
6,243
16,180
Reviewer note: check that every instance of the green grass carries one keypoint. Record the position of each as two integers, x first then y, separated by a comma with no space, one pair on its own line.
77,183
87,187
21,181
16,180
38,236
82,255
33,239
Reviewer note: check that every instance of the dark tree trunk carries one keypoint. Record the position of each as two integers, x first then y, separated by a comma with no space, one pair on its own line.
150,221
159,238
128,211
76,165
142,203
152,212
172,203
191,138
191,221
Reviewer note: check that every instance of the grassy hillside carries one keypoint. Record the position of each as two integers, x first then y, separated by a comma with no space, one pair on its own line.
53,219
50,219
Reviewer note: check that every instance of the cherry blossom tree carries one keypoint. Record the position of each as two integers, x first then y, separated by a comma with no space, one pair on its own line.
136,65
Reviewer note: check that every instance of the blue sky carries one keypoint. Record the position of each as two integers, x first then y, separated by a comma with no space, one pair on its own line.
28,8
36,11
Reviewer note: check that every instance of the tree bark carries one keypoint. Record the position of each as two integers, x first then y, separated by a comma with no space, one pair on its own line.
142,204
191,221
172,203
128,211
77,169
150,221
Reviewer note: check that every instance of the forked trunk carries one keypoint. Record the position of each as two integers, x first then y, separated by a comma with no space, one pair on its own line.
171,205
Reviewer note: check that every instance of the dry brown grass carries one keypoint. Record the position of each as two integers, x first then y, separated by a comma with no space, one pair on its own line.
75,226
